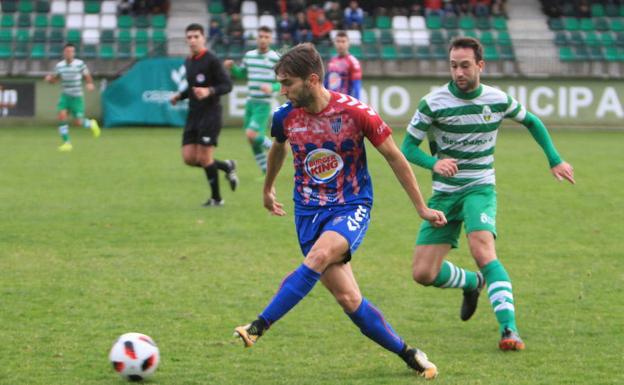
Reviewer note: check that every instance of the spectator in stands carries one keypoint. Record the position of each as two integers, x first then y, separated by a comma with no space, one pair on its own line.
463,7
353,16
285,27
551,8
498,8
232,6
215,34
296,6
416,9
160,6
321,28
482,8
140,7
334,13
125,7
433,8
235,29
303,32
450,8
583,9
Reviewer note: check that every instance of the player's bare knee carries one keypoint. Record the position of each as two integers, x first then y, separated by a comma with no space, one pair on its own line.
424,277
349,301
318,259
251,135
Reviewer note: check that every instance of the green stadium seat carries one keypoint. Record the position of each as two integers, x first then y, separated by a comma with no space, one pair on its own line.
22,35
369,36
439,52
74,36
6,35
9,6
581,53
89,51
561,38
57,35
566,54
24,20
568,9
236,51
160,36
437,37
577,38
499,23
216,7
383,22
55,50
21,50
124,36
587,24
452,34
107,51
490,53
7,21
370,51
597,10
619,39
611,10
389,52
467,22
506,52
606,39
160,49
40,35
591,39
621,12
124,50
92,7
423,53
141,36
42,6
107,36
6,51
124,21
471,33
220,50
601,24
571,24
25,6
596,54
555,24
159,21
142,22
434,22
386,36
356,51
57,21
450,22
617,24
483,23
611,54
41,21
38,51
405,52
487,38
369,23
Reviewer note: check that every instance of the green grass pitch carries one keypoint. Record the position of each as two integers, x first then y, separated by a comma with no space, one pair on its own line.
111,238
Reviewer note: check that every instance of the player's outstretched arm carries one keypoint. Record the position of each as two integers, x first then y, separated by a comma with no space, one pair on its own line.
406,177
275,161
559,168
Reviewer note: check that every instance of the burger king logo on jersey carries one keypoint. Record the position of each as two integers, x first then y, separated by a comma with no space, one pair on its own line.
322,165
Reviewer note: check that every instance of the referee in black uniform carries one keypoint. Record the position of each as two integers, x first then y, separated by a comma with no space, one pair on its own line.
207,81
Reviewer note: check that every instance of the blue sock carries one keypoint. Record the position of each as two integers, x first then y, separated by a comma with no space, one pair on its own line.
294,287
374,326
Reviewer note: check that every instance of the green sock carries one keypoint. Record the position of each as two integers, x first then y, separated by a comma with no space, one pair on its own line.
456,277
258,150
501,295
64,131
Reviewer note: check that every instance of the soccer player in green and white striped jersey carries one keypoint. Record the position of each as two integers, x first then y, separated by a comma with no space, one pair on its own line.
71,71
461,121
257,67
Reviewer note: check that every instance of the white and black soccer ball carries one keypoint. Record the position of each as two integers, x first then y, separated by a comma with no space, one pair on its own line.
134,356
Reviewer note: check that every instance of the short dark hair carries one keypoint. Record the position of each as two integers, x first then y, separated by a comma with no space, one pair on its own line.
264,28
301,61
69,45
468,42
342,34
195,27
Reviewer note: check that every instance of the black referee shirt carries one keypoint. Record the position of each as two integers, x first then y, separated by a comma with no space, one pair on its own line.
205,70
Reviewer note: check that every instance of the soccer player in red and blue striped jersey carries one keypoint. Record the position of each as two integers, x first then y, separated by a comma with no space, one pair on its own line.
344,73
333,197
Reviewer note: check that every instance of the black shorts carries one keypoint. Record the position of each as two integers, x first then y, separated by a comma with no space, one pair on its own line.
203,127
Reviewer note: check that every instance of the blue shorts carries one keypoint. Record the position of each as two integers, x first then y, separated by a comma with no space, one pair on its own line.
349,221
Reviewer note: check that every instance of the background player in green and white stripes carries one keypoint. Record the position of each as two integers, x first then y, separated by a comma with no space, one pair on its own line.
71,71
257,66
461,120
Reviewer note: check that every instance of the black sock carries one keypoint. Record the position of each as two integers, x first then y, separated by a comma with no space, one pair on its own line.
223,166
212,174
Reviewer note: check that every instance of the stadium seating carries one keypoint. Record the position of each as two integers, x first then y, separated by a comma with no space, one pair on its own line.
38,30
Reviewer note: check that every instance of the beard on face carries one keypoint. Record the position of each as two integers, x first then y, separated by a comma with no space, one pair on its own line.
304,99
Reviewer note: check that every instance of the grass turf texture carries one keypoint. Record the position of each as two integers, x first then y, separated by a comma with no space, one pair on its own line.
110,238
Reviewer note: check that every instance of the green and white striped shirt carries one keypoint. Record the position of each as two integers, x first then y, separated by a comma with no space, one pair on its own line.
71,76
259,67
464,126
